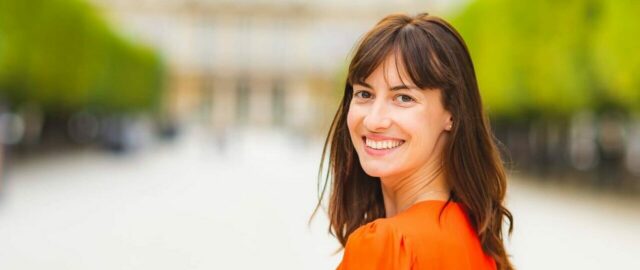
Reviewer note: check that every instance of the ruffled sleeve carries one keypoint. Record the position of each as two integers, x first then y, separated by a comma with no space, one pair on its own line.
377,245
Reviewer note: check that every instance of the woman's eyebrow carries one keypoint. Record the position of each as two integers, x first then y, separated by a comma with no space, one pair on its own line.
394,88
403,87
364,84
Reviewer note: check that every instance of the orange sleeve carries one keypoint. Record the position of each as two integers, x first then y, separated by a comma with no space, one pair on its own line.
376,245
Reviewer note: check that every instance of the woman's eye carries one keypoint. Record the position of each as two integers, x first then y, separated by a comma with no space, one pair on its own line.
363,94
404,98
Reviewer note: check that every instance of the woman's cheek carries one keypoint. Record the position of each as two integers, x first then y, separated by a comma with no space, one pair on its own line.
350,122
353,116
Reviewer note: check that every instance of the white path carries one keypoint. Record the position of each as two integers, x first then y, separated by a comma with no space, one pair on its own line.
189,206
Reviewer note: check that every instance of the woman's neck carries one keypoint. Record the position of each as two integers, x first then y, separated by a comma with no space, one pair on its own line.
427,183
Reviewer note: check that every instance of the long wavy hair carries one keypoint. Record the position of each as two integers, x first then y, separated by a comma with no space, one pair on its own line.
434,56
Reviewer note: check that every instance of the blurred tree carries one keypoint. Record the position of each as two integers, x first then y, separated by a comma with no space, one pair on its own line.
553,58
488,29
61,55
616,41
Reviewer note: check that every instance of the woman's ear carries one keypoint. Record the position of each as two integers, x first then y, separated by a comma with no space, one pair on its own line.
448,125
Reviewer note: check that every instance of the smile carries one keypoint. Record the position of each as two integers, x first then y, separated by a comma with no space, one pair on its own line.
386,144
378,147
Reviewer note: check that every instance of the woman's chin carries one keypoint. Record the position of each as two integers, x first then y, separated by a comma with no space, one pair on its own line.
378,170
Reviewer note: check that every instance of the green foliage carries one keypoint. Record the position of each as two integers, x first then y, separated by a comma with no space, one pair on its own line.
616,58
62,55
553,58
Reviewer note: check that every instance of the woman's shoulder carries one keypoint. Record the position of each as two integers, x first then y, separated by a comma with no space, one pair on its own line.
436,224
417,238
433,219
377,245
420,221
396,239
442,236
379,231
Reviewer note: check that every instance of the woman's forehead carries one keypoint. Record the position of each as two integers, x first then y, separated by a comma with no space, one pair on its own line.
391,72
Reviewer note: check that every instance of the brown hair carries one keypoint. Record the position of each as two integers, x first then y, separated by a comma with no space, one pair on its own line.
435,57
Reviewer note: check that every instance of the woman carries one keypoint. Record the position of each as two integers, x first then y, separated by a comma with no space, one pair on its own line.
417,181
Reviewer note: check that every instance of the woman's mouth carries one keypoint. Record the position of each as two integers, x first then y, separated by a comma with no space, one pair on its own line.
381,147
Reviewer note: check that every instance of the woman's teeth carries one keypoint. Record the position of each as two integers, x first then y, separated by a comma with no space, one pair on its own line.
386,144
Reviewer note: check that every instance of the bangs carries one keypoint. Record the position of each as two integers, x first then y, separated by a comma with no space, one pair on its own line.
415,51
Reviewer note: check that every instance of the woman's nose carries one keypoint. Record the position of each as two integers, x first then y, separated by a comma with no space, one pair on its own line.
377,118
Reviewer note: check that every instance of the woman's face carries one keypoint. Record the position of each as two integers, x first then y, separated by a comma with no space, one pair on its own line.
396,128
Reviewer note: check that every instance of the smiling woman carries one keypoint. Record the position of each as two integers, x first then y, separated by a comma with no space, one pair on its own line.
417,181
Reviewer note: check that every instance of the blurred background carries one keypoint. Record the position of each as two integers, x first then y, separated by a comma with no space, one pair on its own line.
187,134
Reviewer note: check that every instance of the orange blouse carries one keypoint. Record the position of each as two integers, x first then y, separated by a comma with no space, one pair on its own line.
414,239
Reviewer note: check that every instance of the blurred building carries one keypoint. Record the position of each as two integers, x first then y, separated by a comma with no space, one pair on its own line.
259,63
